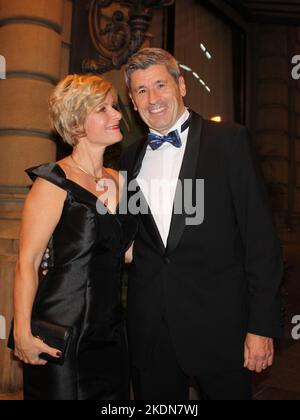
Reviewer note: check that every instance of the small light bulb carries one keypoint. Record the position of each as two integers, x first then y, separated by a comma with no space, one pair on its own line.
217,118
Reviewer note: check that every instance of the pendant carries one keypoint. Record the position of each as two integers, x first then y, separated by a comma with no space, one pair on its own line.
100,183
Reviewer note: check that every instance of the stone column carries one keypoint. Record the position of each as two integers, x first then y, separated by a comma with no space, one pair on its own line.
31,42
275,116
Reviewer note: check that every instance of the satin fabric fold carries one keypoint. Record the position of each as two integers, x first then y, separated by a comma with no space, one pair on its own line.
82,290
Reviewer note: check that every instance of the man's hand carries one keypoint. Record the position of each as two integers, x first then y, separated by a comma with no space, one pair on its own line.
259,353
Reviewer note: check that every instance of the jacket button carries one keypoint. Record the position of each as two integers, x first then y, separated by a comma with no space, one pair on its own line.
167,261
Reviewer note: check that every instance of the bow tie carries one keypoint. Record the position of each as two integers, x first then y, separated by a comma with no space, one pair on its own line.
155,140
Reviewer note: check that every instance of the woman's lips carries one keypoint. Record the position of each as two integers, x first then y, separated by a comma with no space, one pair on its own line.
115,128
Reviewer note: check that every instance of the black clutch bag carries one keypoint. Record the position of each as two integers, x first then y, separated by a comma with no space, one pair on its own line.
56,336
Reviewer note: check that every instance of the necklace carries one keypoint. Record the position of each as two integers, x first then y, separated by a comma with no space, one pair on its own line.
97,179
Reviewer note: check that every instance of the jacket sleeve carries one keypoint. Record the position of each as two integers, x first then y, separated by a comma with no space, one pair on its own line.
262,248
127,159
124,160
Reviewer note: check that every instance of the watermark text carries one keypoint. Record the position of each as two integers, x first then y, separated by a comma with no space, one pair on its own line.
296,329
2,328
296,68
2,67
159,197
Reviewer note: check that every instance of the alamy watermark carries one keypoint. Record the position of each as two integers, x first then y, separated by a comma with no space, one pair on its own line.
2,328
186,197
296,69
296,329
2,67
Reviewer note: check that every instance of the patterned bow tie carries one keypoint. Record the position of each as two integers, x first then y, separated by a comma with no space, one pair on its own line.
155,140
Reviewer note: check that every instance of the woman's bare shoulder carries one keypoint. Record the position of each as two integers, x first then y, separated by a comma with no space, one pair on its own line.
43,190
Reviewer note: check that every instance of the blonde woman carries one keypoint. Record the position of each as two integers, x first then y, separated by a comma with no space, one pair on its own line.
88,240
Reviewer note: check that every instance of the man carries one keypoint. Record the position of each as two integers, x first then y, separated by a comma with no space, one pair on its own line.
202,297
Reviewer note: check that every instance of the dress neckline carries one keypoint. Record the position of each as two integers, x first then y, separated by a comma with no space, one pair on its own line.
94,197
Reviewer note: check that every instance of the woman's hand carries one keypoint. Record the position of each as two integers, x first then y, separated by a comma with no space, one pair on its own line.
28,349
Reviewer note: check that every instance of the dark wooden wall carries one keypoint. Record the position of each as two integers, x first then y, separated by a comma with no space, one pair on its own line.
272,31
275,117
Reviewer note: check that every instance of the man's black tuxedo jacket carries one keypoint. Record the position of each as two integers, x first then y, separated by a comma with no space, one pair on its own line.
217,281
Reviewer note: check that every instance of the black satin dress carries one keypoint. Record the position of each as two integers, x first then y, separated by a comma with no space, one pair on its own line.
82,290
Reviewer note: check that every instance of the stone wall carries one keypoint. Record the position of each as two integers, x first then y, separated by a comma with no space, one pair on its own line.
275,116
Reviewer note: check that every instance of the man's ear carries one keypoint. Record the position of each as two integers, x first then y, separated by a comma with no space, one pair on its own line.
182,86
133,102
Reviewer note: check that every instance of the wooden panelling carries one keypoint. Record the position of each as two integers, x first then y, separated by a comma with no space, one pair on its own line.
273,94
272,143
285,11
275,170
274,68
273,118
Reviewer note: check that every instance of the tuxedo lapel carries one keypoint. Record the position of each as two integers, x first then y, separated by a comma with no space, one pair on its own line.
188,169
147,219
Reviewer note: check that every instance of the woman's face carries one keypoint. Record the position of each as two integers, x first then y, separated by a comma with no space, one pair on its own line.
102,124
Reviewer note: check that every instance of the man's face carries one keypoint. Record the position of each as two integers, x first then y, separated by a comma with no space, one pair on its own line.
157,97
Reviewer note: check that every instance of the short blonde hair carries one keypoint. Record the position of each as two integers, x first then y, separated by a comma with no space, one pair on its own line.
72,100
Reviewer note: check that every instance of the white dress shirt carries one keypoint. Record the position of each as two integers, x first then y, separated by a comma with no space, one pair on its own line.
159,175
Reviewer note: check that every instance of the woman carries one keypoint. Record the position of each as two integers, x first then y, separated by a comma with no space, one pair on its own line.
73,205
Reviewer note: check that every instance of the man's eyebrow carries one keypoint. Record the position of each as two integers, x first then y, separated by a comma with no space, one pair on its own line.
145,87
140,87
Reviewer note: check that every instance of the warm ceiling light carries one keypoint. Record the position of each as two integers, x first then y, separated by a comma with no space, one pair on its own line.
196,75
217,118
206,52
186,68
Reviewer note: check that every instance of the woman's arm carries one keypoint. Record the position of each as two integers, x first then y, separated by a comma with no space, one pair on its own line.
41,213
